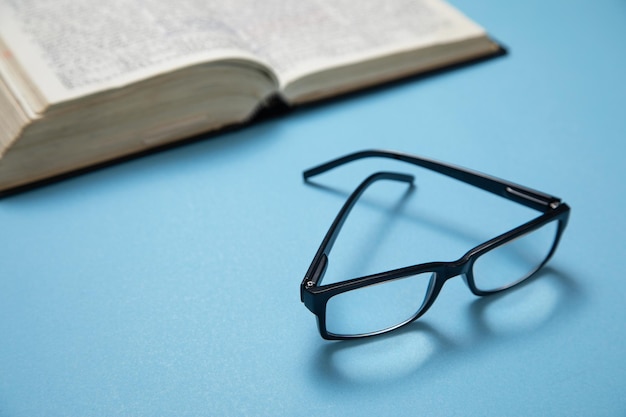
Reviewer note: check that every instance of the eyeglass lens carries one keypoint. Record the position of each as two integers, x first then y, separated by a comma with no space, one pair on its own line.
508,264
378,307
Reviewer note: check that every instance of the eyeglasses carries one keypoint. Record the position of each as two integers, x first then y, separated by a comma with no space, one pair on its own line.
382,302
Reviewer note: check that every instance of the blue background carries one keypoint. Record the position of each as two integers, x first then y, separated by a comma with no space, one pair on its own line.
169,285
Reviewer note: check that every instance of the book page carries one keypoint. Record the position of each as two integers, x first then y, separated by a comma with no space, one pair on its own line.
302,37
73,48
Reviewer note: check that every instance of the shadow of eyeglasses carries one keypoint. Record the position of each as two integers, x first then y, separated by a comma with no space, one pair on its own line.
411,350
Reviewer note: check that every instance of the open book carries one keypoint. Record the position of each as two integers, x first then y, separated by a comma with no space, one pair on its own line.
85,82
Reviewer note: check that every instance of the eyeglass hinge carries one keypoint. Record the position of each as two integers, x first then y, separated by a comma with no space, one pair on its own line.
535,198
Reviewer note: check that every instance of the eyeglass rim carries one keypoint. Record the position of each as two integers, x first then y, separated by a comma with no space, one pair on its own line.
440,270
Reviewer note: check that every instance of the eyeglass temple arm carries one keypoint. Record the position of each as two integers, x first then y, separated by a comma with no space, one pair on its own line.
515,192
320,261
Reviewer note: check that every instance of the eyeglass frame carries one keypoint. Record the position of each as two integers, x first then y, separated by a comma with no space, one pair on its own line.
315,297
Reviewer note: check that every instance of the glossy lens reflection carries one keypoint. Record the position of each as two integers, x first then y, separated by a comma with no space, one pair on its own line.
514,261
379,307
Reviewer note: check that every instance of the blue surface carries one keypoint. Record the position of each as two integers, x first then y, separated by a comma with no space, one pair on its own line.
169,285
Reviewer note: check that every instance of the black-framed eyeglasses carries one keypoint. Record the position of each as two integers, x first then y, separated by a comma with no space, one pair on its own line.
382,302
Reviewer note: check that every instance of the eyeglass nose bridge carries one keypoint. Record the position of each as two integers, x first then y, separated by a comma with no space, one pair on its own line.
462,268
442,274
